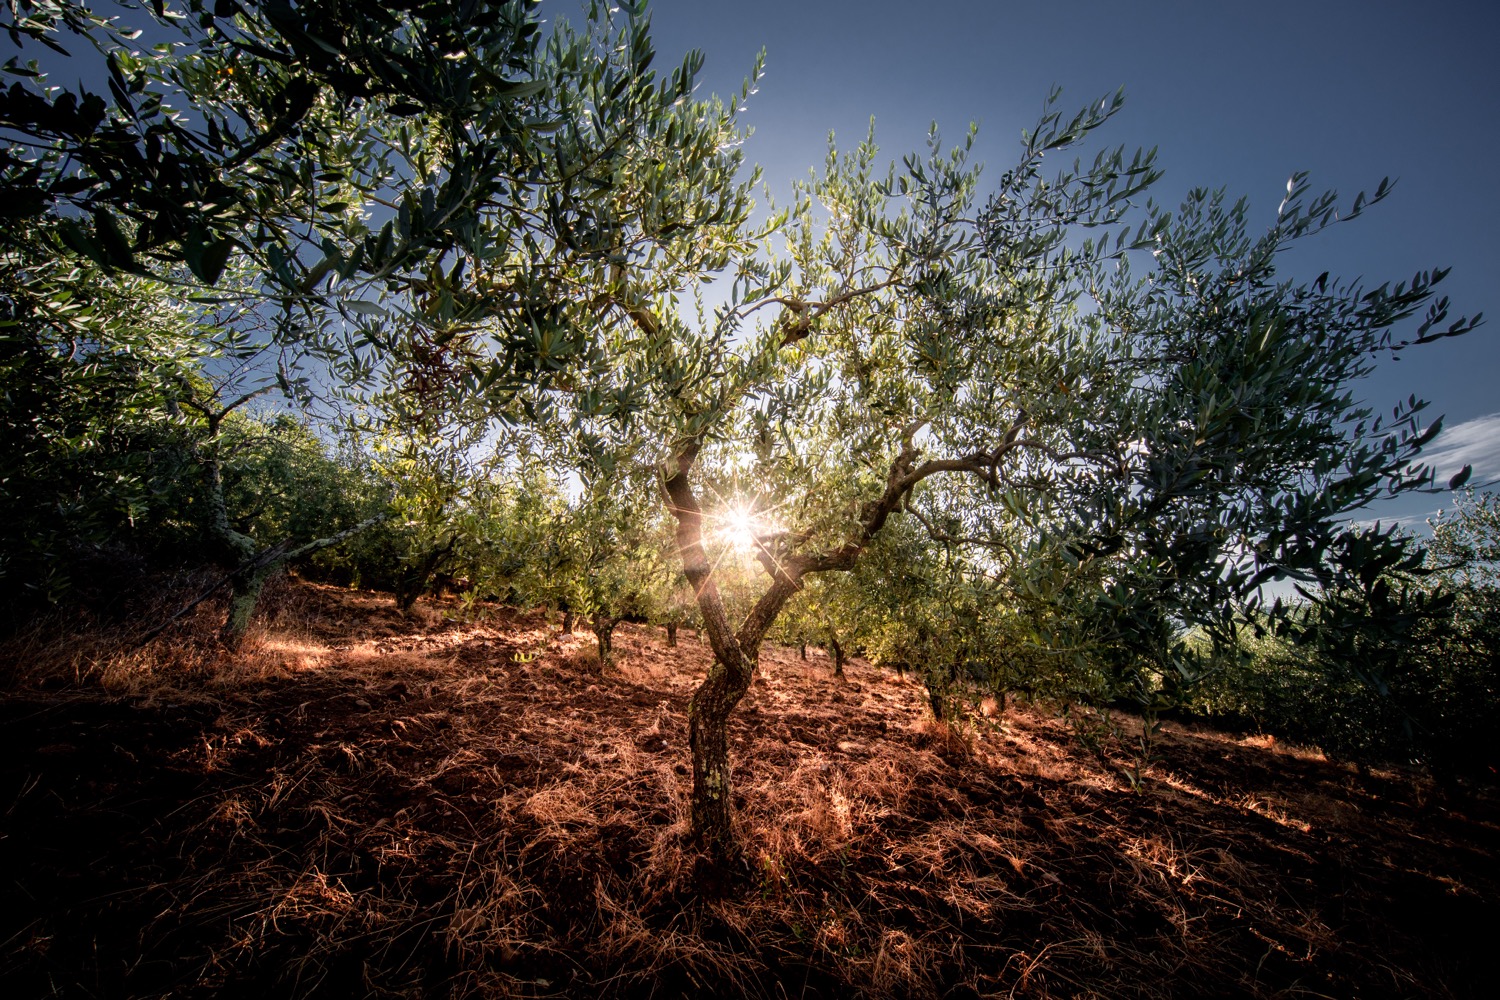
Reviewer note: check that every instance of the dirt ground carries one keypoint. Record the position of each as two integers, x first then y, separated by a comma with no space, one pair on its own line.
362,804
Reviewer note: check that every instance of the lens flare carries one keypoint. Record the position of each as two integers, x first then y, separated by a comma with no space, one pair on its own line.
739,527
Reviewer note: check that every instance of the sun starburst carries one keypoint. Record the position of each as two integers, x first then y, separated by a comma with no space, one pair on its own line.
740,527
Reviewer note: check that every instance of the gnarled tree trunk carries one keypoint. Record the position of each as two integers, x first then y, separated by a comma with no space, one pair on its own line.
235,549
838,653
730,675
247,583
249,568
604,632
413,584
735,652
708,736
250,578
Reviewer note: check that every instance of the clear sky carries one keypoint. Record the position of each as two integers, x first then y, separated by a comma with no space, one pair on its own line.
1236,95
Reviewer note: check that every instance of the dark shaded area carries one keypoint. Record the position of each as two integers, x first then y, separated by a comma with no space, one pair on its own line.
429,808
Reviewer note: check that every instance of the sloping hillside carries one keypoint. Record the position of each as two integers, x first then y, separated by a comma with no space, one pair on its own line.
361,804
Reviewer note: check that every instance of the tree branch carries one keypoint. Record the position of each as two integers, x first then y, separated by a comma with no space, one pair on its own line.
695,565
270,556
807,313
302,551
940,535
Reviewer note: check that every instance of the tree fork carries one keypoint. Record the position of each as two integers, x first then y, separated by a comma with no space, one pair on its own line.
250,579
735,653
730,675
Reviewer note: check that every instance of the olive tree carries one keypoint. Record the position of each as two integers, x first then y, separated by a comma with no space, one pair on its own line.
1131,412
890,341
1157,446
1466,541
94,451
356,187
619,558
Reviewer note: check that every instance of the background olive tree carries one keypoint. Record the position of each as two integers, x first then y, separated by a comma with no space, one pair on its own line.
360,194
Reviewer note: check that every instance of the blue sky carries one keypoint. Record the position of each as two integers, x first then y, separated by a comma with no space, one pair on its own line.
1236,95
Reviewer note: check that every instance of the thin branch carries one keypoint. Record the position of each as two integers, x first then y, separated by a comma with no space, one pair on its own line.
270,556
940,535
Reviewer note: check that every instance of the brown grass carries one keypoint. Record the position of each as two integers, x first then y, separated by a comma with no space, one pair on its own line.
365,804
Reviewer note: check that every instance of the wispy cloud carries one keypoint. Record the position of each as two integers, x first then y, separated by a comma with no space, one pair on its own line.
1474,442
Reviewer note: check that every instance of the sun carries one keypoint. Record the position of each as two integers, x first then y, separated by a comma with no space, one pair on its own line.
740,527
743,526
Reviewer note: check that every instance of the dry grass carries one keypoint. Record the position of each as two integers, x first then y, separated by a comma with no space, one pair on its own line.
361,804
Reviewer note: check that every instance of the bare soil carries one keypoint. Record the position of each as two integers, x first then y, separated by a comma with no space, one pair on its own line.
364,804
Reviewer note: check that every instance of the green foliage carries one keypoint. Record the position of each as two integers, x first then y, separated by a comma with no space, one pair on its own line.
1225,446
305,183
282,481
616,554
96,454
1134,469
399,185
1465,546
523,558
1435,705
1412,678
299,113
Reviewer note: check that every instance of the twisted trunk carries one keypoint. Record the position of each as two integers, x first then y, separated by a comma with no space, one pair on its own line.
247,583
730,675
250,578
708,737
604,632
249,566
234,549
735,653
414,583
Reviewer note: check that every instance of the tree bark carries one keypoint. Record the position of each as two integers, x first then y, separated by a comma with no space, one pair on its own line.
838,653
250,578
567,622
604,630
708,737
245,595
671,635
414,584
235,548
